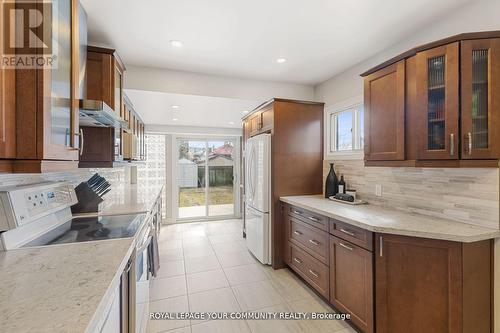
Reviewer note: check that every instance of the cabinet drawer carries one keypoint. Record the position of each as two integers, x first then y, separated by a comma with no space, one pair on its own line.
311,269
313,219
355,235
309,237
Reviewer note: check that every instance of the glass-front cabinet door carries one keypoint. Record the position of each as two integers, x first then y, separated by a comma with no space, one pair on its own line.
62,126
480,99
438,102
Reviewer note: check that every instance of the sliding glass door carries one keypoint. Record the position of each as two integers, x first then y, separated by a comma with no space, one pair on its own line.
206,178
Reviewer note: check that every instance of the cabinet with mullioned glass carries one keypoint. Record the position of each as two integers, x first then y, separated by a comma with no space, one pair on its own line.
437,100
480,103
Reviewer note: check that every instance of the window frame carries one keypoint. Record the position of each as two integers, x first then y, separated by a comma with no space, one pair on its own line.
330,116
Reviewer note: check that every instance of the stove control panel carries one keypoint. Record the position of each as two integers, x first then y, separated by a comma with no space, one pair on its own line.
24,204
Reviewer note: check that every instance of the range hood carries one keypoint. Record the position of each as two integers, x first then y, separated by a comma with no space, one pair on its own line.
95,113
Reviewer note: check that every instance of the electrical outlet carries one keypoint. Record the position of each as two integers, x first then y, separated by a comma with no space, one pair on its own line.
378,190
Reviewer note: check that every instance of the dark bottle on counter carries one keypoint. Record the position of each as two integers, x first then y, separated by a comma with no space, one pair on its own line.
342,185
332,183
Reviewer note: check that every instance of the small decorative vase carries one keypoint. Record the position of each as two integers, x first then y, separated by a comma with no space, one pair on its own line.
332,183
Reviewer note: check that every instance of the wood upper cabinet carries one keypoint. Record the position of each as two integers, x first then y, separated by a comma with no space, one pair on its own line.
105,77
480,99
351,282
7,114
385,114
432,286
255,123
438,102
47,103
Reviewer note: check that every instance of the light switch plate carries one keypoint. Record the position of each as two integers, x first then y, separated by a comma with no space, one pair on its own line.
378,190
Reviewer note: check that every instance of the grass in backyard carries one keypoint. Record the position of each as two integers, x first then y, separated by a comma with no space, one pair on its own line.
220,195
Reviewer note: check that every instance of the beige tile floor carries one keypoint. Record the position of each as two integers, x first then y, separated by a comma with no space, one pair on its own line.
206,267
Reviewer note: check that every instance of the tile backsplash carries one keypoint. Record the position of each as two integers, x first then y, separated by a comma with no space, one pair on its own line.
74,177
469,195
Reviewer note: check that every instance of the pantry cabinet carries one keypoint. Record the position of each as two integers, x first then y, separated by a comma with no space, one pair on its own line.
7,116
436,105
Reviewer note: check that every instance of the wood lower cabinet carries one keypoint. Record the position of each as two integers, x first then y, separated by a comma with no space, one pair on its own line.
385,114
432,286
391,283
351,282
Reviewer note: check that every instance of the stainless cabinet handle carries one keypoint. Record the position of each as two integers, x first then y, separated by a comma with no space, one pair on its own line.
297,260
381,243
297,232
312,241
313,219
314,273
469,135
452,144
296,212
346,247
350,233
81,142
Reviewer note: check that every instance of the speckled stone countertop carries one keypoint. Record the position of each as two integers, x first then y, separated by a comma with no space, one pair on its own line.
130,199
378,219
59,288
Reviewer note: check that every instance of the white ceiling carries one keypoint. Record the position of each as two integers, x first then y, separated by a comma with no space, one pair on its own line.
155,108
319,38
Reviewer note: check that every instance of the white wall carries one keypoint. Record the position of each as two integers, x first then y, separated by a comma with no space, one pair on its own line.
479,15
181,82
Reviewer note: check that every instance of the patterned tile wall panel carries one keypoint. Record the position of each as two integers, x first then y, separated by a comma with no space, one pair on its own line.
469,195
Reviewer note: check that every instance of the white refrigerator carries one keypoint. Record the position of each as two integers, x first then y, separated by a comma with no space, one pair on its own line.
258,197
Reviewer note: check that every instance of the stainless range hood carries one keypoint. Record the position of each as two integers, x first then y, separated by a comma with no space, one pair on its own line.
98,114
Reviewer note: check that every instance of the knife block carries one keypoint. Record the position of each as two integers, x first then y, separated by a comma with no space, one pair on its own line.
88,200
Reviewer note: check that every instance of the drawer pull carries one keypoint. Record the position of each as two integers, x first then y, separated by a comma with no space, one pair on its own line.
296,212
297,261
315,242
350,233
297,233
313,273
346,247
312,218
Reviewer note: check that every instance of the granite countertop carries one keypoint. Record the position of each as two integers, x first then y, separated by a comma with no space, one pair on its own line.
59,288
130,199
378,219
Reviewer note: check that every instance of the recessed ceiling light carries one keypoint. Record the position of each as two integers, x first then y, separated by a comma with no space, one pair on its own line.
231,123
175,106
176,43
175,119
245,112
280,60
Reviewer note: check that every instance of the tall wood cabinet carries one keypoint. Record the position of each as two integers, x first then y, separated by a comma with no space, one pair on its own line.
296,129
436,105
47,103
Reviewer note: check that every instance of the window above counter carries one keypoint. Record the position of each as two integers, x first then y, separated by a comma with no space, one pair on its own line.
344,132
